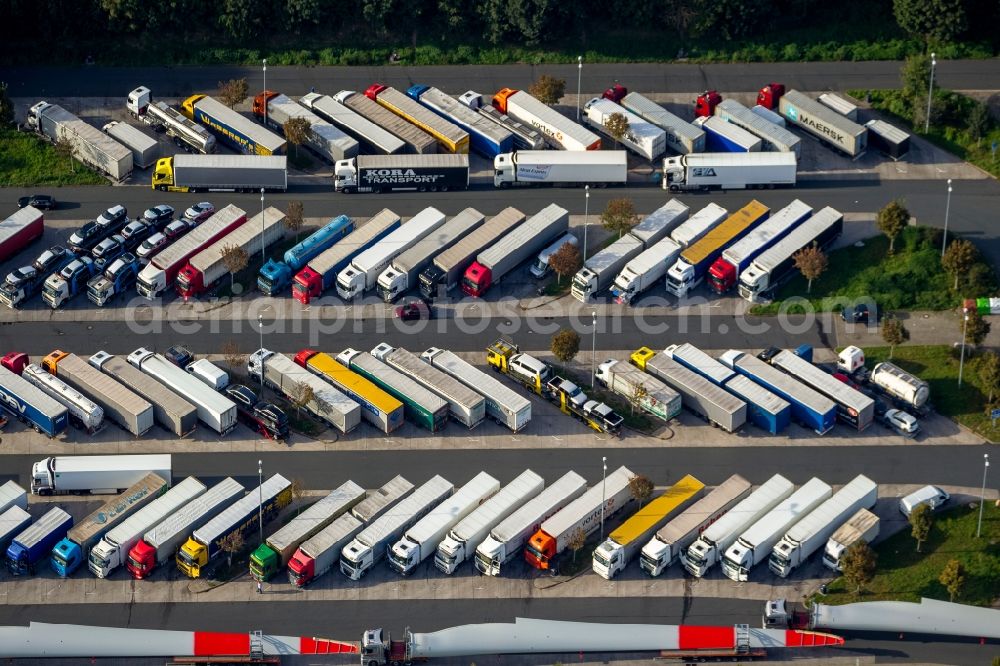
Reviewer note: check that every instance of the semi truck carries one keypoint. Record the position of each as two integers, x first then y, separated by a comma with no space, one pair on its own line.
287,377
728,171
640,389
161,542
725,271
162,269
372,137
119,276
321,552
681,136
853,407
372,543
220,173
672,539
95,474
84,413
900,384
417,140
390,173
698,394
363,272
321,272
233,128
322,138
73,550
422,539
755,544
625,541
31,405
485,137
91,146
450,137
62,287
584,514
503,405
645,270
33,277
862,526
145,148
496,261
773,137
772,267
421,406
549,167
812,532
260,504
275,276
276,551
120,404
722,137
809,408
710,546
380,408
185,132
401,275
465,405
13,521
561,132
170,410
19,230
113,550
206,268
466,536
643,138
690,269
509,538
601,269
35,543
525,137
822,122
445,271
214,409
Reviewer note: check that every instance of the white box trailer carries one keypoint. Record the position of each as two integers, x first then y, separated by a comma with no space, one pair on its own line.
774,138
145,149
645,270
95,474
640,388
90,145
681,136
755,544
503,405
377,502
214,409
601,268
862,526
552,167
83,411
129,410
853,406
327,404
644,138
13,521
837,103
729,171
698,394
561,132
464,404
698,225
464,538
364,130
170,410
824,123
811,533
12,495
673,538
322,138
365,268
417,140
517,247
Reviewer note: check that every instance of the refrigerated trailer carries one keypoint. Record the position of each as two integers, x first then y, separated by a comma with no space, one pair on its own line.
95,474
552,167
729,171
417,140
681,136
236,130
644,138
373,137
824,123
31,405
773,137
485,137
559,131
322,138
221,173
90,145
450,137
421,406
145,149
853,407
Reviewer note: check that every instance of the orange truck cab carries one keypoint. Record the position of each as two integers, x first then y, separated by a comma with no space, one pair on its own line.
260,102
51,361
540,550
500,99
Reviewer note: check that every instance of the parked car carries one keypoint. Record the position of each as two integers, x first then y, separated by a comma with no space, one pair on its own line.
857,314
244,398
413,311
271,420
903,423
176,229
199,212
113,219
86,237
39,201
179,356
134,233
151,246
47,260
158,217
108,250
22,274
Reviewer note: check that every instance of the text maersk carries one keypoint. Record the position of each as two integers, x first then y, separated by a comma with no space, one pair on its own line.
821,128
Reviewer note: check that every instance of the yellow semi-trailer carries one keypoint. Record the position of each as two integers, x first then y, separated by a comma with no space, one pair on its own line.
449,136
378,407
221,173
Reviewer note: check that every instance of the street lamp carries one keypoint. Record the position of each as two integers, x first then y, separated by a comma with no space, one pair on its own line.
260,329
586,218
593,348
579,73
604,499
260,498
947,210
930,92
982,493
263,259
265,88
961,363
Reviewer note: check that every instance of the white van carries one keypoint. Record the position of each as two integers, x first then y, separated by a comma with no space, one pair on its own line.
209,373
930,495
529,368
540,268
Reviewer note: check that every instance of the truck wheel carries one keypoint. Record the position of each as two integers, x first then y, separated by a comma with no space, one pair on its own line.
376,190
444,188
674,188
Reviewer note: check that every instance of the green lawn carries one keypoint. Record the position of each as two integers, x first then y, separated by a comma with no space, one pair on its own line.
906,575
27,161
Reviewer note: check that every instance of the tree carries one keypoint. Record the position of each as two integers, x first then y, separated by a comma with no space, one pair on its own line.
811,262
548,89
894,333
617,127
732,19
6,106
979,122
976,329
298,489
892,219
577,540
241,18
959,257
303,13
620,216
639,393
235,259
989,373
231,544
297,131
233,91
930,20
953,578
294,218
565,345
858,565
235,359
565,261
641,488
300,396
921,521
64,148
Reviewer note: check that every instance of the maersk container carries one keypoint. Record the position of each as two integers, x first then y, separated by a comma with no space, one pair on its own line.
327,403
19,230
774,137
485,137
465,405
644,138
373,137
503,405
83,412
12,495
681,136
328,142
31,405
32,545
422,406
417,140
145,149
723,137
90,145
235,129
13,521
449,136
559,131
853,407
170,410
824,123
637,387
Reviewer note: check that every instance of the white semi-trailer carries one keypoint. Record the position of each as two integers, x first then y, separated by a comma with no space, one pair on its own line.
729,171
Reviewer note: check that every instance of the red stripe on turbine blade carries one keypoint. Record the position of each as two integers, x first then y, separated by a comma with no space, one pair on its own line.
705,638
207,643
310,645
795,638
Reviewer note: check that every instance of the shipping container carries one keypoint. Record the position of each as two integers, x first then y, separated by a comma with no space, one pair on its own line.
837,103
887,139
421,406
681,136
374,138
823,123
450,137
322,138
287,377
853,406
644,138
145,149
485,137
774,137
561,132
417,140
236,130
503,405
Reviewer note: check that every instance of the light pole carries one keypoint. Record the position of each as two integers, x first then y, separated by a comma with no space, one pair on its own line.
930,92
947,210
260,498
593,348
604,499
586,218
260,329
982,493
263,259
265,88
579,74
961,363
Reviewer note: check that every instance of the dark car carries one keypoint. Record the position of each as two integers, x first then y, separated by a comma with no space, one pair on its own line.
108,250
113,219
768,354
271,420
245,400
179,356
176,229
413,311
39,201
857,314
86,237
158,217
52,257
134,233
21,275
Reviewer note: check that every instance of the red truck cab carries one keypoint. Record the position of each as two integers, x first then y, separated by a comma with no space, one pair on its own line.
15,362
373,91
301,569
302,358
615,93
189,282
722,276
141,560
260,102
705,104
770,95
306,285
477,279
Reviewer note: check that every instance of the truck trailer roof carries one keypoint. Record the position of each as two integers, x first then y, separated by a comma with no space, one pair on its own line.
672,499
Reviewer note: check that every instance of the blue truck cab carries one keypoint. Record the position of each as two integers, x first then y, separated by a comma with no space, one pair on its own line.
66,557
276,276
